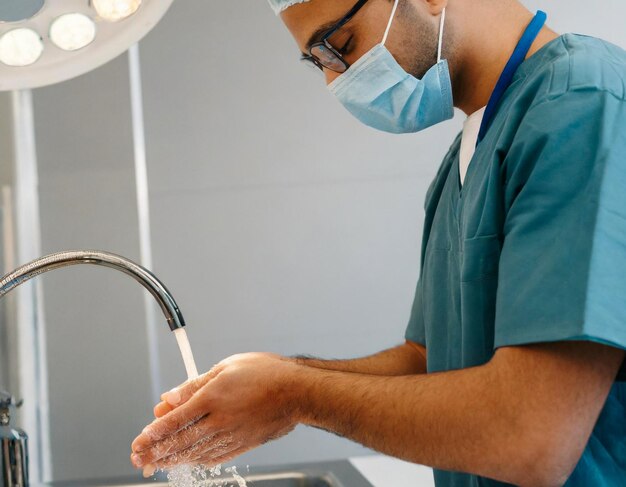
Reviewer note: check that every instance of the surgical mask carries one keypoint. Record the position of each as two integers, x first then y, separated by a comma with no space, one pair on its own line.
382,95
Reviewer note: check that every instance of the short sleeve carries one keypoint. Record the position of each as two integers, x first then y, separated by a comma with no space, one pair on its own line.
562,269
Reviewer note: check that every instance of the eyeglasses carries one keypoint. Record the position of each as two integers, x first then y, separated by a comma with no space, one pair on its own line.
323,55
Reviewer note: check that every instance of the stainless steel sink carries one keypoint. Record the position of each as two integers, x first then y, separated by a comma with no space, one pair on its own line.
286,479
324,474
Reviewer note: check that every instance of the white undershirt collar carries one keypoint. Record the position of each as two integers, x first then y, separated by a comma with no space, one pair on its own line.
471,128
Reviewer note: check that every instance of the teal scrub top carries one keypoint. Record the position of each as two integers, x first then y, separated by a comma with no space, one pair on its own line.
532,248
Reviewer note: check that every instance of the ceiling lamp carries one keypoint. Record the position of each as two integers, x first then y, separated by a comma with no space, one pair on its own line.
47,41
114,10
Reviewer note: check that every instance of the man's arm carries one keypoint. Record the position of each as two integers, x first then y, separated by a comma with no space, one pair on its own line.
524,418
406,359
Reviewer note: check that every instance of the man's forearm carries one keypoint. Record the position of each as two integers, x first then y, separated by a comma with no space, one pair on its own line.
505,420
406,359
437,420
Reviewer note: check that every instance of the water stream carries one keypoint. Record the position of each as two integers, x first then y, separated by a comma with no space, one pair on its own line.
185,351
197,476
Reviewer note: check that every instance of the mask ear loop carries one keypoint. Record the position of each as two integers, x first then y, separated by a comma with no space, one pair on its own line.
441,24
393,14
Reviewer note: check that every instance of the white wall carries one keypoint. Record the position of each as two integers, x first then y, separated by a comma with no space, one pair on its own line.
279,222
97,360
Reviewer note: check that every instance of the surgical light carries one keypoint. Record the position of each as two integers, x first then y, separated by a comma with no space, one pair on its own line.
71,32
115,10
20,47
47,41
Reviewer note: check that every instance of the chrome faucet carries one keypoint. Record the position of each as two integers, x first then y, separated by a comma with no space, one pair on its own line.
14,444
14,454
64,259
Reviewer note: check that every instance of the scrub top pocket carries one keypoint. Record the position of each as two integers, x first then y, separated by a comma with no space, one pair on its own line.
457,297
480,257
478,288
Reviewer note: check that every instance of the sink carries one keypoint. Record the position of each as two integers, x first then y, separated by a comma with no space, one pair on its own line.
338,473
286,479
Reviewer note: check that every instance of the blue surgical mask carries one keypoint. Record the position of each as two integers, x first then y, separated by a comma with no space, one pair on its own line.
382,95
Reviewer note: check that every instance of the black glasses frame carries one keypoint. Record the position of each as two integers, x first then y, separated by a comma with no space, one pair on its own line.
323,43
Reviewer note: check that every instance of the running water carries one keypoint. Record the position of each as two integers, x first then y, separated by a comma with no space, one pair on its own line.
198,475
185,351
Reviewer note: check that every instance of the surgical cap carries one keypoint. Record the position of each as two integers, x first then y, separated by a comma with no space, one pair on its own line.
280,5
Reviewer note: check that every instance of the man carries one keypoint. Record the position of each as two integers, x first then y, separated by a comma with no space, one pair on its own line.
513,363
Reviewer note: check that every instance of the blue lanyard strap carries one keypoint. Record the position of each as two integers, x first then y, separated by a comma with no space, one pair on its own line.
518,57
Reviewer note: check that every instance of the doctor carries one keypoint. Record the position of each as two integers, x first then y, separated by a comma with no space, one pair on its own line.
513,365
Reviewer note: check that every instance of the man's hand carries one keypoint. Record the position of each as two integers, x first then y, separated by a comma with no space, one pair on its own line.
240,404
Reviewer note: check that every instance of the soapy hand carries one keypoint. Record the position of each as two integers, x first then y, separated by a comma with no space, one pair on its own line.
243,402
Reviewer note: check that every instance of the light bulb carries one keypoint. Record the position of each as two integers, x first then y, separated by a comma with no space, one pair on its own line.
114,10
71,32
20,47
